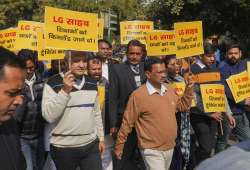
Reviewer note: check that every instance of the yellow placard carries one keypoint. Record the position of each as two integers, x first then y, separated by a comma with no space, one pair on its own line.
27,35
248,69
239,85
101,96
189,39
47,53
213,97
70,30
8,38
130,30
100,26
160,43
180,89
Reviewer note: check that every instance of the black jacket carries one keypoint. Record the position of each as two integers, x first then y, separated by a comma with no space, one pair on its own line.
11,157
122,84
29,114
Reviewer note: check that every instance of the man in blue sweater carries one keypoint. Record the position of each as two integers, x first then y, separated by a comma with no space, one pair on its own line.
230,66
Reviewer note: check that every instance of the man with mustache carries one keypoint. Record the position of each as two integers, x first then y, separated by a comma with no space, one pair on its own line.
70,103
230,66
94,65
151,111
124,79
12,75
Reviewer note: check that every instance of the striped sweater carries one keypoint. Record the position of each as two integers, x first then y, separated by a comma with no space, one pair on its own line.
76,117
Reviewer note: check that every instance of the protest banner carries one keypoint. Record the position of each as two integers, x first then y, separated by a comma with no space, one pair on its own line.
27,35
189,39
130,30
70,30
47,54
179,88
239,85
160,43
213,97
8,38
100,26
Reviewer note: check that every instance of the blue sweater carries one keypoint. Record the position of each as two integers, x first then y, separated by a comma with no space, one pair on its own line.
227,69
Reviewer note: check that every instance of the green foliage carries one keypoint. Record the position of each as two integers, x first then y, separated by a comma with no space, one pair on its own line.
11,10
218,16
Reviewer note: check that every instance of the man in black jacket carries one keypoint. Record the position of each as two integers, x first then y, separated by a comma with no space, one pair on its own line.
124,79
29,114
12,75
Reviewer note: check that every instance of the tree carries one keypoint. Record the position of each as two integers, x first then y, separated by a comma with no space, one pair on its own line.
231,17
11,10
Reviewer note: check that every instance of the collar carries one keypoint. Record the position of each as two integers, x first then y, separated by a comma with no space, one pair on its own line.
103,81
199,63
31,81
79,86
105,62
152,90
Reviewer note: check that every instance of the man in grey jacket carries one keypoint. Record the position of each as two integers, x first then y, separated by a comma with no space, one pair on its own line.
71,104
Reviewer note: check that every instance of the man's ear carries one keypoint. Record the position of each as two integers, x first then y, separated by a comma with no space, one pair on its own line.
147,73
240,54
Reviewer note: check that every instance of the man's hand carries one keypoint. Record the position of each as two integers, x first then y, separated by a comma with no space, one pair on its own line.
247,101
189,80
68,82
113,131
217,116
118,154
101,147
231,120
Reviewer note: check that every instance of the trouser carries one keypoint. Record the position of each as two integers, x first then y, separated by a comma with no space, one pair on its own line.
177,159
49,163
131,157
157,160
107,163
241,131
85,157
205,129
30,152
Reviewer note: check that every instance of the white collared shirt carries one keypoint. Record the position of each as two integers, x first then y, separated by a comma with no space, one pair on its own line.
152,90
30,84
105,71
77,86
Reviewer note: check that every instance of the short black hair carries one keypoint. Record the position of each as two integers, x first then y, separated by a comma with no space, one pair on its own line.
105,41
233,45
209,48
168,58
74,53
93,58
149,62
135,43
26,54
8,58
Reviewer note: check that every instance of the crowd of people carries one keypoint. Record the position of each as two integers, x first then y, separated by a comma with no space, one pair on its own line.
93,112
